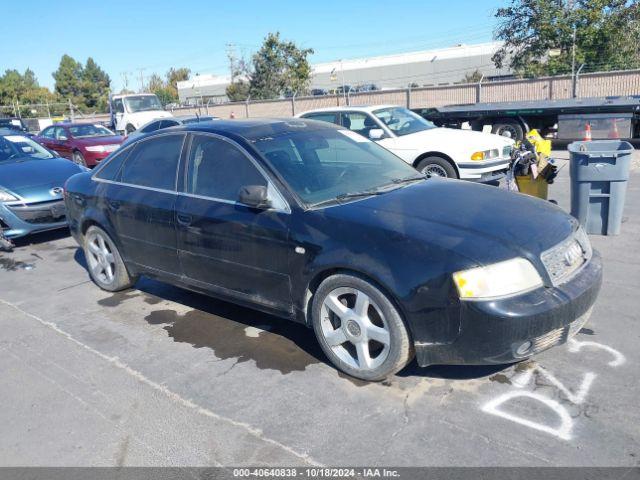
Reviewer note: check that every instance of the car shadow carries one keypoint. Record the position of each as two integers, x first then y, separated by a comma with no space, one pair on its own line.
236,332
41,237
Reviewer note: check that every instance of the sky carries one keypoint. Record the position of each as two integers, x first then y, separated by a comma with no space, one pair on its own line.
133,38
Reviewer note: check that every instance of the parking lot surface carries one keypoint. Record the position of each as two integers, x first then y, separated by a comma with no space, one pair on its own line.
161,376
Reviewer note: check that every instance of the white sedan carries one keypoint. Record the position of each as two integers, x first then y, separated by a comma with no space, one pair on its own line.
435,151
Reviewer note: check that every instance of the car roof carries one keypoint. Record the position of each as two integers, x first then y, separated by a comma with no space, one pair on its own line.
10,131
249,129
351,108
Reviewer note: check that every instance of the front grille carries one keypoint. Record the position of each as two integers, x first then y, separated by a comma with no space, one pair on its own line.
41,212
566,258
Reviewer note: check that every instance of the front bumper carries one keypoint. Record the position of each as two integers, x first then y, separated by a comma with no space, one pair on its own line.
484,171
491,332
22,219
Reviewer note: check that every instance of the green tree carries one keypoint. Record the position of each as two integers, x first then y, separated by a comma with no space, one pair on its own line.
23,88
538,35
279,67
473,77
175,75
95,85
69,80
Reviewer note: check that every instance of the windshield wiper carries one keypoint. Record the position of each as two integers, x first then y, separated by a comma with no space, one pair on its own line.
398,181
346,196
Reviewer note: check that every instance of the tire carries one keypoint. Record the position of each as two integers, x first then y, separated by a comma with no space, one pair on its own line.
129,129
436,167
511,130
372,345
78,158
106,267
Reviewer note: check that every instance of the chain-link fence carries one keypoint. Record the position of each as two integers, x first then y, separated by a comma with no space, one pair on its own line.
549,88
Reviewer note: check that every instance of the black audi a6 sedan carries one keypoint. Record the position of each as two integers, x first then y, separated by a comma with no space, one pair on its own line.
317,224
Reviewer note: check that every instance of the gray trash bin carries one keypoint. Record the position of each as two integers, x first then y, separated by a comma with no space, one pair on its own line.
599,175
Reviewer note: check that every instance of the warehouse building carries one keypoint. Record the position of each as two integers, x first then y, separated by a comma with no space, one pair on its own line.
425,68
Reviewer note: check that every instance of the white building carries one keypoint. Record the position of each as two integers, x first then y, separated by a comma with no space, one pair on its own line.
424,68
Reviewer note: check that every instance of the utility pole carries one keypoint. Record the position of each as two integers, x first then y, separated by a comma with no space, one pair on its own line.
141,79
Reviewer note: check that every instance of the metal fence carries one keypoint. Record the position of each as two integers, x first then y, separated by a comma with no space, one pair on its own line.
547,88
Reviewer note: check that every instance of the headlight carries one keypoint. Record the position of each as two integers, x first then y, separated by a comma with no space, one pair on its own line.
497,280
485,154
7,197
96,148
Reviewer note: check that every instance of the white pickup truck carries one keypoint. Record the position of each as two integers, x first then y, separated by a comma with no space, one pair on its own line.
435,151
128,112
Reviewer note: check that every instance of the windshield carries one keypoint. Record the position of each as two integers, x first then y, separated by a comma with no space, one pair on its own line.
402,121
326,165
12,146
85,131
142,103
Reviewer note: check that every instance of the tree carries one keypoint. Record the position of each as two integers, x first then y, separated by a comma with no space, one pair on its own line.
238,89
539,35
167,90
473,77
68,79
23,88
278,68
95,85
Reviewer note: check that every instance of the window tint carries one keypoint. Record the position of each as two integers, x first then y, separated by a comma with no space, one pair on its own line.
48,132
153,162
110,169
358,122
168,123
323,117
218,169
152,127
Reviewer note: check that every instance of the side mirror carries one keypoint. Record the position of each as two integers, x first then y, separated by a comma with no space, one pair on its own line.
254,196
376,134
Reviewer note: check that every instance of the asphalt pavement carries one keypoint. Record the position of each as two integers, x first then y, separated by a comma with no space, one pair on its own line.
161,376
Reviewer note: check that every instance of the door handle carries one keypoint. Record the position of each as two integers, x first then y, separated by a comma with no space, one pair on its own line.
184,219
113,205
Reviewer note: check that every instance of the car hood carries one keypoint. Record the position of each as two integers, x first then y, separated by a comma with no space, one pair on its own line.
482,223
140,118
451,137
106,140
32,178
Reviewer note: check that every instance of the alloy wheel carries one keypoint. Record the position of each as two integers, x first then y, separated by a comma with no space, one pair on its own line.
434,170
101,259
355,329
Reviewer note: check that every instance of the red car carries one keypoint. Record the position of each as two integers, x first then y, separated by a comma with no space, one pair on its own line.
85,143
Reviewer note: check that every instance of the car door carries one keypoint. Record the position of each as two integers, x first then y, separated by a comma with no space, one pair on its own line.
141,200
224,245
62,142
46,137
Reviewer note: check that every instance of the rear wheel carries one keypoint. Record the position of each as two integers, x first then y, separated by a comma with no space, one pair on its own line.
436,167
511,130
105,264
359,328
78,158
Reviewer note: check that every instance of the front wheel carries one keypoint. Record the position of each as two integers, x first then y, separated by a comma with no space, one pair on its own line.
106,267
78,159
436,167
359,328
130,129
509,129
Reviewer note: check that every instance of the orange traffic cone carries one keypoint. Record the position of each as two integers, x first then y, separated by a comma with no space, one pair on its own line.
613,133
587,133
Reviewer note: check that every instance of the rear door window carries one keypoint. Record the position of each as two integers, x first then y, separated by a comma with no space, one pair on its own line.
154,162
329,117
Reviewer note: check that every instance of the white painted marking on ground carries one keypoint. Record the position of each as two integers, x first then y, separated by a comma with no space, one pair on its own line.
575,346
254,332
566,424
115,361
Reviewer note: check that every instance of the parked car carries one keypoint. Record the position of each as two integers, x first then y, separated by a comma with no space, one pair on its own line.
160,123
31,181
319,92
312,222
13,123
87,144
435,151
129,112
